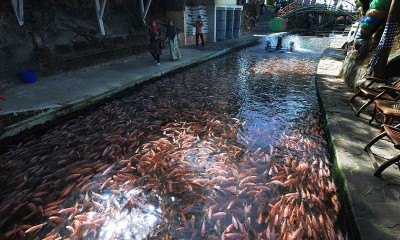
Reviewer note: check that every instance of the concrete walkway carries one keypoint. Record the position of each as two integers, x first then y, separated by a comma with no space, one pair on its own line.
373,201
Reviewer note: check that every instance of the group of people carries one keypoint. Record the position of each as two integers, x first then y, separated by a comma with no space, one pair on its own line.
157,40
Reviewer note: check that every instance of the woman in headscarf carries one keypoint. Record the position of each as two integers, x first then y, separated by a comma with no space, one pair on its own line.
172,35
155,41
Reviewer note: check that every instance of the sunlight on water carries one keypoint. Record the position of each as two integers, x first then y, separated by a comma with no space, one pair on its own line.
298,44
133,223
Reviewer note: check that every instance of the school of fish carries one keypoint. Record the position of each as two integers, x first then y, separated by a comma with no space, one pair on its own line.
173,164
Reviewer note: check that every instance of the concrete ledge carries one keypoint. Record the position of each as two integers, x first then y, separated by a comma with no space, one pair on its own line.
372,202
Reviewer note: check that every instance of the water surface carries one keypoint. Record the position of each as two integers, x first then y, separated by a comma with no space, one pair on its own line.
230,149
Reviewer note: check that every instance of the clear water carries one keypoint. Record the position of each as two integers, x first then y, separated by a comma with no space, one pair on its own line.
230,149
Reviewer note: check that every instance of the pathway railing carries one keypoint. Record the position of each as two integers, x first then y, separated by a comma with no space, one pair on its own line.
296,7
288,8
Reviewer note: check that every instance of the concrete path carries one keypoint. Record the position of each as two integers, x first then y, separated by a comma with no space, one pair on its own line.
374,202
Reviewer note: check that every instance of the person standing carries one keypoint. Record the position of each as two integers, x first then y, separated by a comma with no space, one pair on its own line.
262,9
279,44
173,41
199,31
155,41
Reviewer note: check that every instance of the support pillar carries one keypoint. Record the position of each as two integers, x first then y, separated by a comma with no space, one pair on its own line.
236,23
18,7
221,24
144,11
229,23
99,14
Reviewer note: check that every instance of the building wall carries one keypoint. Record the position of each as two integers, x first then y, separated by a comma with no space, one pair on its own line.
199,2
175,5
211,24
179,18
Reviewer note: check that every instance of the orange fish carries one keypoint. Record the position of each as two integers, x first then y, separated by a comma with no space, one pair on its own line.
34,228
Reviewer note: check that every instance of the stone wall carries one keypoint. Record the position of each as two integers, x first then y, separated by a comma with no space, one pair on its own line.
49,23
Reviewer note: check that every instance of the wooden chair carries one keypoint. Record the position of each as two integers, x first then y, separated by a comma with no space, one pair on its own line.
390,91
46,59
393,133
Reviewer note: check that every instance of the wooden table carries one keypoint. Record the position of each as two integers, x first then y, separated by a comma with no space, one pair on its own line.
389,109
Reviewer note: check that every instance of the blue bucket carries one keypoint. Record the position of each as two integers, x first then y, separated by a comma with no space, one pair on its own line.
28,76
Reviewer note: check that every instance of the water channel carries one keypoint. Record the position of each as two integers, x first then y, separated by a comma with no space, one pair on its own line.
231,149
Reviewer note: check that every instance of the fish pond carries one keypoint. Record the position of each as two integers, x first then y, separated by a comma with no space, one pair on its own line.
233,148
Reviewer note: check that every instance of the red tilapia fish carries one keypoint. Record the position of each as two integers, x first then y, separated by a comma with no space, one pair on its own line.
172,165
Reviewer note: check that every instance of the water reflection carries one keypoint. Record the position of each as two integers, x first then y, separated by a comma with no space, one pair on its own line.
231,149
125,220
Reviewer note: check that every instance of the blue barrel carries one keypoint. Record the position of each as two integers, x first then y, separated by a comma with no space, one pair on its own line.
221,25
229,24
28,76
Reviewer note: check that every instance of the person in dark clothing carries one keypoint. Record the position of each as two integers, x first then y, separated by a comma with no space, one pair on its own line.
173,43
155,41
308,23
199,31
262,9
279,44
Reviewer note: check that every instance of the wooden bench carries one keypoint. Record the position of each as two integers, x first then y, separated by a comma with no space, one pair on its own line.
108,44
63,49
45,58
96,44
81,46
119,40
43,54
